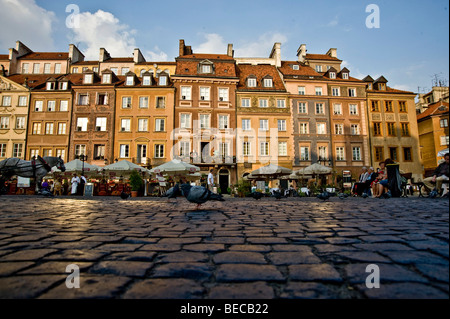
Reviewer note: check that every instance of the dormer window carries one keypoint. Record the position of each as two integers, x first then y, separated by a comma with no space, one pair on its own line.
251,82
163,80
345,76
146,80
205,67
63,85
268,83
295,67
106,78
130,80
333,75
50,86
88,78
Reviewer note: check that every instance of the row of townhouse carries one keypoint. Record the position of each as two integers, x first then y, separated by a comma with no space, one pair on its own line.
215,110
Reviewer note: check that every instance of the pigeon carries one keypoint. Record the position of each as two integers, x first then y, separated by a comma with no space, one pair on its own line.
46,193
257,195
173,192
364,195
124,195
277,195
324,196
199,194
342,195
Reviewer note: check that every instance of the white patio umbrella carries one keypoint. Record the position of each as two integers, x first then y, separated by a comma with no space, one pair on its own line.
76,166
124,167
175,167
442,153
271,171
314,169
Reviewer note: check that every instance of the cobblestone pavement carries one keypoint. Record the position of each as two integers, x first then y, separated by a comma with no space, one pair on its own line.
237,249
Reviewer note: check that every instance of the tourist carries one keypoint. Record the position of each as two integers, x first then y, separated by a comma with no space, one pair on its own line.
441,173
75,181
211,180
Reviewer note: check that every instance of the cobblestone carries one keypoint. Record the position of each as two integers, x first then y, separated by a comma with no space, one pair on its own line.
237,249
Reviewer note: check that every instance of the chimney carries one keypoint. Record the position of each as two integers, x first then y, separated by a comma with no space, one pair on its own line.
276,54
301,53
230,51
137,56
182,47
104,55
22,49
75,54
332,53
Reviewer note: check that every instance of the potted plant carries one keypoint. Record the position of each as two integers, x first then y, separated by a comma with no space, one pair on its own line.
136,183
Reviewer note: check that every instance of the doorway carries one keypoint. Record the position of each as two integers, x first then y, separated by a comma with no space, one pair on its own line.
224,181
204,146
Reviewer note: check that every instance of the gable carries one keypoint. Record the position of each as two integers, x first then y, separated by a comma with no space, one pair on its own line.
8,85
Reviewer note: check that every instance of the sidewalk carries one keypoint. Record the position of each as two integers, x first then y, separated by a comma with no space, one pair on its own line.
240,248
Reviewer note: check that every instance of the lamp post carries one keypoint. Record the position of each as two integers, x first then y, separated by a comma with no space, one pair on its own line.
83,158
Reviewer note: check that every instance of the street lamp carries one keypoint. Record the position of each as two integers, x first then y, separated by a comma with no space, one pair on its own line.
83,158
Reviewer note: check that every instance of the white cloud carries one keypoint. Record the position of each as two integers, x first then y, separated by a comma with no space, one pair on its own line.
156,55
354,72
333,22
214,44
25,21
103,30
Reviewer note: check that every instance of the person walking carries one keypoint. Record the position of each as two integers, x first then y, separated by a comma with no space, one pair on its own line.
211,180
75,181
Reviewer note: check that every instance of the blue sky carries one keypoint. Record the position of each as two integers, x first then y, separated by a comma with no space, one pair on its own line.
409,48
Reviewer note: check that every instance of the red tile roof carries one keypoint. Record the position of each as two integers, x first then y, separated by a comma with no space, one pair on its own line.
189,67
45,56
207,56
433,109
286,69
4,56
390,90
114,60
321,57
85,63
260,72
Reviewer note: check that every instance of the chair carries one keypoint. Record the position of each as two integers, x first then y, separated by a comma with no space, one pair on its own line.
407,177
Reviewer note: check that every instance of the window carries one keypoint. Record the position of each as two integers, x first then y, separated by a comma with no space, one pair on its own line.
353,108
34,152
379,154
125,71
17,150
124,150
335,92
302,107
351,92
332,75
204,121
224,149
88,78
63,106
130,80
318,91
49,128
100,124
444,140
354,129
319,108
263,103
143,102
375,106
443,123
2,150
99,152
95,69
47,68
146,80
23,101
106,78
323,153
36,67
84,69
377,128
388,106
246,125
185,92
281,104
391,129
125,125
25,68
51,106
58,68
264,148
39,106
47,152
160,125
304,128
62,128
223,122
340,153
345,76
204,93
80,150
115,70
304,153
402,107
20,122
63,85
356,153
50,86
223,95
337,109
142,125
83,99
301,90
37,128
321,128
62,153
295,67
318,68
245,102
281,125
393,153
251,82
185,148
159,150
339,129
82,123
126,102
185,120
6,101
268,83
102,99
206,68
282,149
263,125
405,129
4,122
75,70
407,155
246,148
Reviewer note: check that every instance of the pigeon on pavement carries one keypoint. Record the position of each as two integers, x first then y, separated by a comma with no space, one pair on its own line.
257,195
324,196
173,192
124,195
199,194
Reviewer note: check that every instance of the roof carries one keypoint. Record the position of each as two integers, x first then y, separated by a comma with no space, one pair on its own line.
45,56
85,63
321,57
390,90
158,63
114,60
4,56
433,109
207,56
222,68
260,71
306,71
